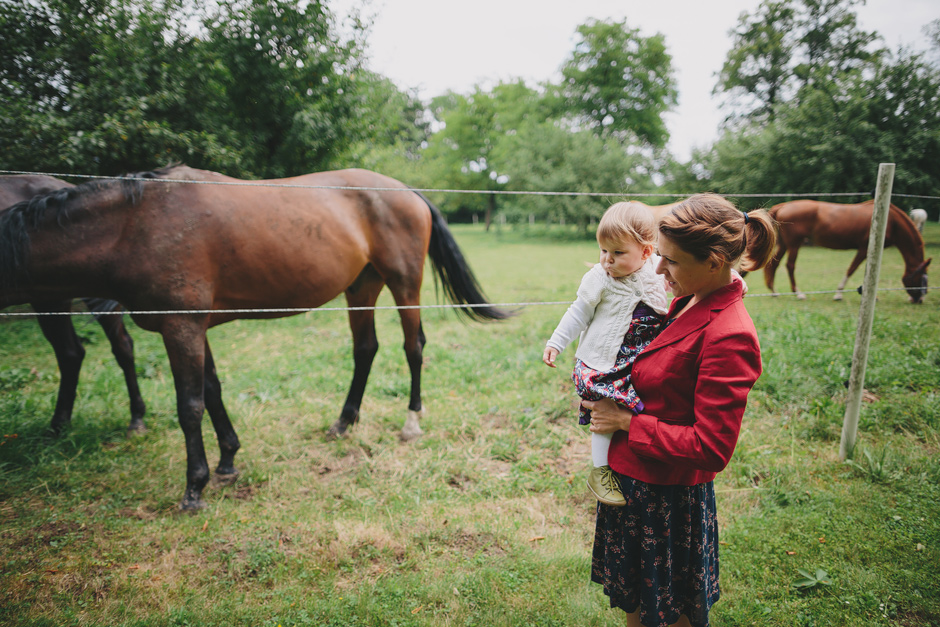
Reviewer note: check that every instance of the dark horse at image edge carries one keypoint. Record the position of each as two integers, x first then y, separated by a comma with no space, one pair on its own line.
60,332
186,240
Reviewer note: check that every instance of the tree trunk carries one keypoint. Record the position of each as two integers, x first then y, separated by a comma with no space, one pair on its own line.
490,209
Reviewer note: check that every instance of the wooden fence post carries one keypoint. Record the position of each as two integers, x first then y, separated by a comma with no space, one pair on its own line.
866,314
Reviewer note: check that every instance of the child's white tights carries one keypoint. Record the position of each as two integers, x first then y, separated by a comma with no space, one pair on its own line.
600,443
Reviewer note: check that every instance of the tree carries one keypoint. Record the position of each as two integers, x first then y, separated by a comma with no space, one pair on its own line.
832,139
619,82
832,42
248,87
287,83
758,65
545,156
789,46
464,153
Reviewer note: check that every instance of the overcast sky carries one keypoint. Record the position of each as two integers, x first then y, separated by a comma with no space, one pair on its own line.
436,45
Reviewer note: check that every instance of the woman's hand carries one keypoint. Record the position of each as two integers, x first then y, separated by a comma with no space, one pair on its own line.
607,416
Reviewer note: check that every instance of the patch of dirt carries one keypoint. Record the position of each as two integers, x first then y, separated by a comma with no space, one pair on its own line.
473,543
573,458
244,492
333,467
141,512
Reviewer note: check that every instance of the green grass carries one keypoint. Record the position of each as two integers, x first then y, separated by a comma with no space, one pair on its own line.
485,520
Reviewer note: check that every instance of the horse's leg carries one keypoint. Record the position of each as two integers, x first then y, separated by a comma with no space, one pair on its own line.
856,262
225,472
362,293
770,270
792,252
69,355
185,341
122,346
406,294
402,268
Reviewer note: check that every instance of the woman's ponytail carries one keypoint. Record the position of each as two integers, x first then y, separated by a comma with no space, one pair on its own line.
760,240
709,226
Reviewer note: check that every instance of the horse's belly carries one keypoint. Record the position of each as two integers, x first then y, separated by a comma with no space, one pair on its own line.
293,286
839,240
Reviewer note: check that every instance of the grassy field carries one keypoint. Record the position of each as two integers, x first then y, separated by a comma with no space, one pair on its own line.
486,519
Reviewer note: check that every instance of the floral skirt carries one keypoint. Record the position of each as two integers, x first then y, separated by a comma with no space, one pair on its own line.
659,553
615,384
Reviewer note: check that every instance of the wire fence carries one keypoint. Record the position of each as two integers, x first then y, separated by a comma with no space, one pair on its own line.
298,310
238,183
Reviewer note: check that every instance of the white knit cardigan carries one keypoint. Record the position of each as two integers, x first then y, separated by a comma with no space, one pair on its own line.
603,310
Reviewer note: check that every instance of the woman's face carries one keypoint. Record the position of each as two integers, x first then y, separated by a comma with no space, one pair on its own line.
684,273
620,258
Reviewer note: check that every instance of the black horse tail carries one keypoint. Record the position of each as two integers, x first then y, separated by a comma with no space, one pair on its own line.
459,283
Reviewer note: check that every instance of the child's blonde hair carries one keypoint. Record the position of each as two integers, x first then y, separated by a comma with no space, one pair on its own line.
628,221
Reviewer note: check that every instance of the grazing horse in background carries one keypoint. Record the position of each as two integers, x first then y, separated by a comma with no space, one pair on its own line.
919,218
208,249
60,332
846,227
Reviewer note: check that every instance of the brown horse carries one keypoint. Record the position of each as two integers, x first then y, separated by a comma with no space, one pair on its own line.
846,227
207,249
60,332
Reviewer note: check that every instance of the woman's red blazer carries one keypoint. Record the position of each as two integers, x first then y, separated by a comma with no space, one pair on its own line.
693,380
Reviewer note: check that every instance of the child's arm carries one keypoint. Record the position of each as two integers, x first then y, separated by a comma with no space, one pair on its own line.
577,318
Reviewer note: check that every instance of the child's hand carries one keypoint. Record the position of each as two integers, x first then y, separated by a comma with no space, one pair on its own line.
736,276
548,357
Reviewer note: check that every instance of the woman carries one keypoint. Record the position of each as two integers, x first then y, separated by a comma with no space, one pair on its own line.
657,557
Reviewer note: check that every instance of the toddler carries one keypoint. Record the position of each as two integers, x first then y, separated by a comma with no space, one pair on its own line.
620,305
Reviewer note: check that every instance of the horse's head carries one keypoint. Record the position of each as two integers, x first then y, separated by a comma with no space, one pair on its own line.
916,282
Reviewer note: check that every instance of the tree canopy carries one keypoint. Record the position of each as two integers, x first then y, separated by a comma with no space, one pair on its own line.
618,81
272,88
107,86
827,106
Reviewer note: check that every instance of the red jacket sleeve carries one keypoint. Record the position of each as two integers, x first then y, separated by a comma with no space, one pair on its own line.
729,365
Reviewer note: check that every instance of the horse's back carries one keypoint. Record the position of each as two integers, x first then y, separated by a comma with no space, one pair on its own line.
337,195
831,225
294,242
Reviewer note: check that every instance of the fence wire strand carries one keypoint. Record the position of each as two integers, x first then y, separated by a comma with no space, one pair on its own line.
299,310
434,190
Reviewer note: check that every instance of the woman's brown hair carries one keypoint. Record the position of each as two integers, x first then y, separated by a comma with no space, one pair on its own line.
709,226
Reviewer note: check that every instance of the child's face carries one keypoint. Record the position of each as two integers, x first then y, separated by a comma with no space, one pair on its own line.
622,257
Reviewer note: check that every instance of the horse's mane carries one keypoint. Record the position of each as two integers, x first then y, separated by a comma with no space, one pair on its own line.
17,221
910,229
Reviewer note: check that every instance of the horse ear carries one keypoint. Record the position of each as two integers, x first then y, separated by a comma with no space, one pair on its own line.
927,263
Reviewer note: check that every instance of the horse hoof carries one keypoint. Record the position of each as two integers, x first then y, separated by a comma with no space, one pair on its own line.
222,479
801,296
136,430
336,431
837,297
412,430
192,505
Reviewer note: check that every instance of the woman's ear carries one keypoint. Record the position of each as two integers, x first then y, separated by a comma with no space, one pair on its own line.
715,263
